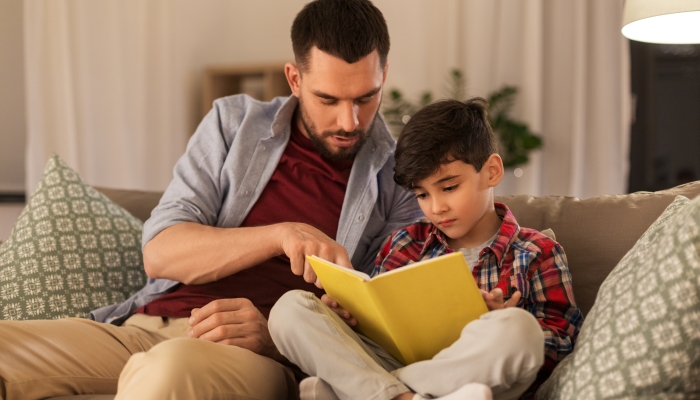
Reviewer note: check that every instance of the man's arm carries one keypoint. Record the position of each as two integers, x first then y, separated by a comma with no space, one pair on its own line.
181,240
192,253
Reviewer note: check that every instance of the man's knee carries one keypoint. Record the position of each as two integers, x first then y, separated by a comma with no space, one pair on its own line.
193,368
170,360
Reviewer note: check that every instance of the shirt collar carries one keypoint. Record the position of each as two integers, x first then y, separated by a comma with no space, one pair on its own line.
283,117
506,235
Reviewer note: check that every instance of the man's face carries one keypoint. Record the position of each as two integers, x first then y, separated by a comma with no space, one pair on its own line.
338,102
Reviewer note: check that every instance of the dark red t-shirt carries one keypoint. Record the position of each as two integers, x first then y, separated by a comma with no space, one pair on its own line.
305,187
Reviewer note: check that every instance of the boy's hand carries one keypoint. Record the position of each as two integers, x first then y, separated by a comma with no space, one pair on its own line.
494,299
342,313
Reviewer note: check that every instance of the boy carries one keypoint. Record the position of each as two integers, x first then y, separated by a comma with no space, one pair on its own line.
447,155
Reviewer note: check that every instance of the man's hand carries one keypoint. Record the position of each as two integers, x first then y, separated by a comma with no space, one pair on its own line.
234,322
342,313
494,299
298,240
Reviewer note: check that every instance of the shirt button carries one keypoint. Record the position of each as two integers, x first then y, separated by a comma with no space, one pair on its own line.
359,218
263,147
247,191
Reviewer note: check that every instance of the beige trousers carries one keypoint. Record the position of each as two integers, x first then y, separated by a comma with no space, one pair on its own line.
503,350
146,358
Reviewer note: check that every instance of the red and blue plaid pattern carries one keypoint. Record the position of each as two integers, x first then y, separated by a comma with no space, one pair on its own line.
519,257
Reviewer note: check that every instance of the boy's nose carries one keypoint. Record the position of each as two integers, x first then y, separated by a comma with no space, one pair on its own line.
347,119
439,207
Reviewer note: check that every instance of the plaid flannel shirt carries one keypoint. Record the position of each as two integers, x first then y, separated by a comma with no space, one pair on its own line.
521,257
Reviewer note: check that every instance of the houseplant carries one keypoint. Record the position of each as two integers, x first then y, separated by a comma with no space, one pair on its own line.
516,140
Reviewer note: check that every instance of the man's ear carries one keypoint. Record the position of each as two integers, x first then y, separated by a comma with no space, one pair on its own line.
293,75
494,166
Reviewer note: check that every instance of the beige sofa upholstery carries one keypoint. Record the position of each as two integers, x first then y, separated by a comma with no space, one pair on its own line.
595,233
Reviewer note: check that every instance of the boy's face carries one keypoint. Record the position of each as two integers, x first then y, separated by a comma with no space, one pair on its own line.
338,101
457,200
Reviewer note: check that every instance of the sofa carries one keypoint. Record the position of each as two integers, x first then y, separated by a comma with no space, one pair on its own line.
596,232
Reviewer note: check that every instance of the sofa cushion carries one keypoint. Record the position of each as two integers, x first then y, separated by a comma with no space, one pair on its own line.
137,202
595,232
71,250
641,337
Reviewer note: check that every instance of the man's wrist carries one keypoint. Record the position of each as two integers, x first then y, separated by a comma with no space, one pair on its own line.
279,232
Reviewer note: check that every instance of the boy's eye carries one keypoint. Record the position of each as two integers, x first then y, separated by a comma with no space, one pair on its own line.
420,196
450,188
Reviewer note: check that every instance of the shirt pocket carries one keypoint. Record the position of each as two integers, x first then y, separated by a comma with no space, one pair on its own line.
520,282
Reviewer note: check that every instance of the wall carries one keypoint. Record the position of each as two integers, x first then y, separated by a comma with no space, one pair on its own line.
12,112
115,85
123,78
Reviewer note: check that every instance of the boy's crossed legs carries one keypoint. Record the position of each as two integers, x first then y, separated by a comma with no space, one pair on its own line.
503,350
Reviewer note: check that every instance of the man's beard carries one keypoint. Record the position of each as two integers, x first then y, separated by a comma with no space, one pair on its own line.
318,139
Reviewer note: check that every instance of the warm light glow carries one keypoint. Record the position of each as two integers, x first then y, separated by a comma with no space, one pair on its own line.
680,28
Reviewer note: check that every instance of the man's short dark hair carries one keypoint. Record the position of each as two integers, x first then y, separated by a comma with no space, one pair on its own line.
346,29
442,132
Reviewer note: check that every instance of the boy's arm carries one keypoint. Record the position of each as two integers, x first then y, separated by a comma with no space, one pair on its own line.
551,301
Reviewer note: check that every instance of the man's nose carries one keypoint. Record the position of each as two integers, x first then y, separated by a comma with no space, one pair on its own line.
347,118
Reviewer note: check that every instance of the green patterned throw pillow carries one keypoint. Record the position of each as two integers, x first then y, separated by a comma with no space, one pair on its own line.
642,336
72,250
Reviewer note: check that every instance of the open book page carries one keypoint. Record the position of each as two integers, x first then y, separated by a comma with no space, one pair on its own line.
414,311
350,289
427,304
355,272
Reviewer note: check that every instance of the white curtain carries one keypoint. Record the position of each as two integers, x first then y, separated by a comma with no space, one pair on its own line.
101,90
569,61
113,85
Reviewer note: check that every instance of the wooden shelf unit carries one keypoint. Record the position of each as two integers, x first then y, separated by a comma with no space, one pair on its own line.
261,81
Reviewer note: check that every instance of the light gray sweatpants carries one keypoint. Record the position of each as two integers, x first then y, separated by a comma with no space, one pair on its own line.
503,349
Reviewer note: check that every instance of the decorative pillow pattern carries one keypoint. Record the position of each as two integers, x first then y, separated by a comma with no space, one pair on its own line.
72,250
642,336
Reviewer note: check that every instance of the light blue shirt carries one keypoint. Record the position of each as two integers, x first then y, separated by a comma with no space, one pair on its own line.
229,161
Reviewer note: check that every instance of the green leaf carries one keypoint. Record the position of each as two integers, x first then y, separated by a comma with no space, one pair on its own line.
516,138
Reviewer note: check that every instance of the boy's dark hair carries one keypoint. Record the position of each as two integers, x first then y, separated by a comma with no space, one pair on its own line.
442,132
346,29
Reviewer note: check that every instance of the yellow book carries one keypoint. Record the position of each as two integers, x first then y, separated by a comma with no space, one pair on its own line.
414,311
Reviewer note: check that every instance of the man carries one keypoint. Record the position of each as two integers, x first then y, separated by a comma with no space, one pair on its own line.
260,186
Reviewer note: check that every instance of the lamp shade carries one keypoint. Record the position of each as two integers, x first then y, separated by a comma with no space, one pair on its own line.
662,21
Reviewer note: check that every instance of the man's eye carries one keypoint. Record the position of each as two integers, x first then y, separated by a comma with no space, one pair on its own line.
364,100
328,102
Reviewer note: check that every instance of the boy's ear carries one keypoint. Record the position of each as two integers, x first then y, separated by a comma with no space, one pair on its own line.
494,167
